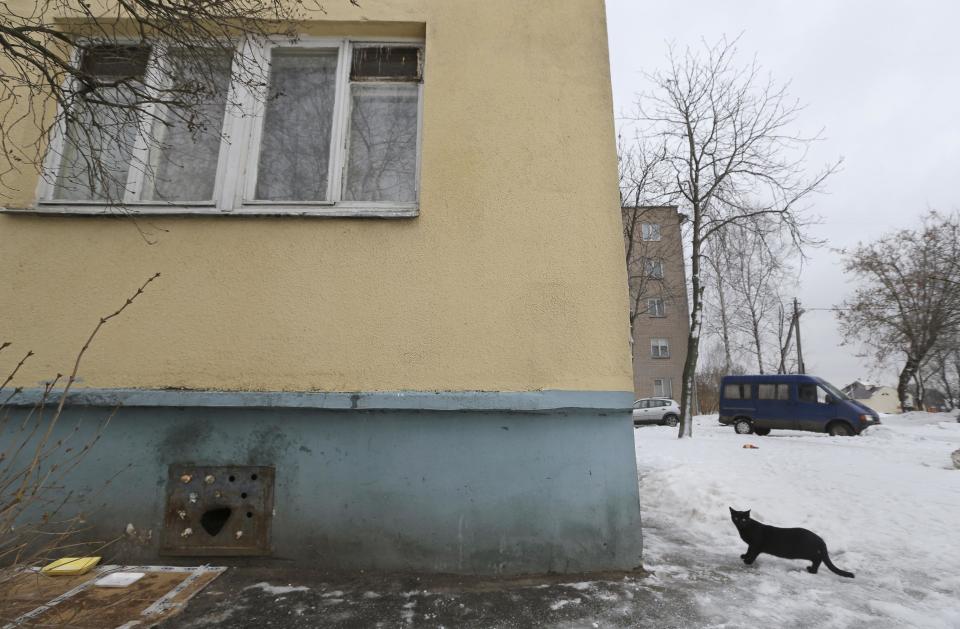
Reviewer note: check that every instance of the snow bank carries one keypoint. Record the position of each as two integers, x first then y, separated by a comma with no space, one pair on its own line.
887,503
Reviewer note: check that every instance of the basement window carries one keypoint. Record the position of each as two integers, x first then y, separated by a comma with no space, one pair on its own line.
331,127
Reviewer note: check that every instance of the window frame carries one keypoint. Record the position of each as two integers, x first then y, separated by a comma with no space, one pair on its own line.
653,268
741,388
656,343
658,312
238,158
666,389
648,230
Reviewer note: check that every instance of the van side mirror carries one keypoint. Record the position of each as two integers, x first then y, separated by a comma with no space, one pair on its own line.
830,399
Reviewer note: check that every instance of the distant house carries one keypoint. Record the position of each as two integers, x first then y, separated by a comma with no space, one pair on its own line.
880,398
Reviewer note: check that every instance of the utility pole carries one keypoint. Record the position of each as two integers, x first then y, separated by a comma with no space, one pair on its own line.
796,321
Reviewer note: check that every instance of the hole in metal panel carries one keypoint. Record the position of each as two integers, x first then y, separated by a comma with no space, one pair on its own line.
249,514
253,477
213,520
243,495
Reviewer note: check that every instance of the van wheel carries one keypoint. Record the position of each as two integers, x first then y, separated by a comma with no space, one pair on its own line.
840,429
671,420
742,426
763,432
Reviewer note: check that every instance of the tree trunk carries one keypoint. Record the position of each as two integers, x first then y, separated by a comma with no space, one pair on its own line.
758,344
693,338
945,381
724,324
906,375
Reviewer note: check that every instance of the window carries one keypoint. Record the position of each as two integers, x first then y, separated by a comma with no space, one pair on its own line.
335,130
737,392
641,404
655,307
650,231
811,393
663,387
773,391
659,348
653,267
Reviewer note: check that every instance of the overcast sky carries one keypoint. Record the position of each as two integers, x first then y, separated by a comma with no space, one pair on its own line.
882,78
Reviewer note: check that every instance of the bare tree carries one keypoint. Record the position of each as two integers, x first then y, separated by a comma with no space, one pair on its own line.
908,297
942,367
719,304
81,87
641,190
758,265
733,157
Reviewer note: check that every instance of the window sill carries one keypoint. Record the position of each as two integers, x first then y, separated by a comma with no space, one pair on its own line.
325,211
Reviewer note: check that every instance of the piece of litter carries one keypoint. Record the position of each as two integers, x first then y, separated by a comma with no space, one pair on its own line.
750,446
71,566
118,579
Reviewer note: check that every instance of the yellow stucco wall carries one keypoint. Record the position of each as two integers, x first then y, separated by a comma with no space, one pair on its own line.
511,278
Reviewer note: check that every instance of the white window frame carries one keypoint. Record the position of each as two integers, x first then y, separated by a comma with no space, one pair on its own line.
666,387
235,183
657,307
659,348
650,232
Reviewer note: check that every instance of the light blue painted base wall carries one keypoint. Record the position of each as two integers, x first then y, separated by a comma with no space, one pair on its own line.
495,492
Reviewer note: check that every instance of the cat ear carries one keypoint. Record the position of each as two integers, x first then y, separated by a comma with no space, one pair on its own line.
747,512
731,510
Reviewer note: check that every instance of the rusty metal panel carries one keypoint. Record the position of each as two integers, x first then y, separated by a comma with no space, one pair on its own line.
218,510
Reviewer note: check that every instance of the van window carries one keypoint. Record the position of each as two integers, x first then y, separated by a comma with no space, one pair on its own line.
809,392
773,392
737,392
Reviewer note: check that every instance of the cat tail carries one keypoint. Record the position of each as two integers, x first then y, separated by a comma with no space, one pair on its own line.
833,568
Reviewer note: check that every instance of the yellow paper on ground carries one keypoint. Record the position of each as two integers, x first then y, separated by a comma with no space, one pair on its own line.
70,566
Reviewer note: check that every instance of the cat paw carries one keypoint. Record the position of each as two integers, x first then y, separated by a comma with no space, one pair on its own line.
743,556
811,570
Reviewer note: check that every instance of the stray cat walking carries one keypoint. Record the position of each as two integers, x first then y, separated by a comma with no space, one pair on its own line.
786,543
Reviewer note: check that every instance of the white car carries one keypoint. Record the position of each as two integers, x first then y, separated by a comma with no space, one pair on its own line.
656,410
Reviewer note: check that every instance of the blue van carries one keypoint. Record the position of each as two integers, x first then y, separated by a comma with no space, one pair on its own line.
759,404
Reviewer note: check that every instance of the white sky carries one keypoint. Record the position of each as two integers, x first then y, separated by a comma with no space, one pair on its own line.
882,78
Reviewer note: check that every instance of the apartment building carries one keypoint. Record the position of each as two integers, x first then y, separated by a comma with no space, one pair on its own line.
388,331
658,299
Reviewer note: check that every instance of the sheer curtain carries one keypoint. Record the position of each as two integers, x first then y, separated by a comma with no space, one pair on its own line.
185,148
382,161
295,146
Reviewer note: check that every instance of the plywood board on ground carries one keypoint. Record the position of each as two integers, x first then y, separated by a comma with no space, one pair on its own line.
31,599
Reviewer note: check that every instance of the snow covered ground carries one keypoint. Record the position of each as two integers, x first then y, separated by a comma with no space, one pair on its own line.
887,503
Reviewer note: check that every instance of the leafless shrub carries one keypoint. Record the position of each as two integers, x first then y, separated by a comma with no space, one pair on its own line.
39,517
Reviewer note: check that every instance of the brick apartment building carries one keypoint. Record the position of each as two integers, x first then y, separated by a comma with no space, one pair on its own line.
658,298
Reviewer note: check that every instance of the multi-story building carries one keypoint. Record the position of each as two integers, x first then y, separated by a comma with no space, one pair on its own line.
389,327
659,313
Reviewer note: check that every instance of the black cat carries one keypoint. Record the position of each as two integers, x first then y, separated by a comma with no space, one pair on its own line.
785,543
